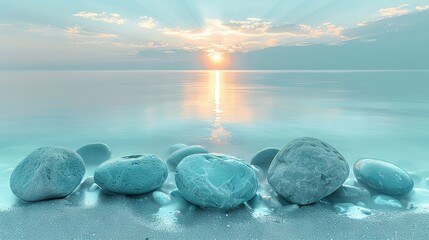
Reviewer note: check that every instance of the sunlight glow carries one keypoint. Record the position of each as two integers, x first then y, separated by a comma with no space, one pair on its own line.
216,58
217,90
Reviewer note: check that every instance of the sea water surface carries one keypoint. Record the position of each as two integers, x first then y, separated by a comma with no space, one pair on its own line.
364,114
375,114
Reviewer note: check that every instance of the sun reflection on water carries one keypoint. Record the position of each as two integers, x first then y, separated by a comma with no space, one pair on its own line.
218,135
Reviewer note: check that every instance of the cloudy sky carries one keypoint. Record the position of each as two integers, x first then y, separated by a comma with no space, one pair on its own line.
103,34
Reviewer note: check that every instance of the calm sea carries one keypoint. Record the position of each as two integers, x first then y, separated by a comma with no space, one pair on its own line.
378,114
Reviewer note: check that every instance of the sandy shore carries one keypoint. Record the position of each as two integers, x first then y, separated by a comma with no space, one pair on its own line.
122,217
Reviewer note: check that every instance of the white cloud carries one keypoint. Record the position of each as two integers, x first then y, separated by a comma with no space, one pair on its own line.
363,23
147,45
394,11
251,34
422,8
102,17
78,31
147,22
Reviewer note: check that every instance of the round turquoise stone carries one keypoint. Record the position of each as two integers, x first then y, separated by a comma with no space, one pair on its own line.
217,182
48,172
135,174
183,152
383,177
94,153
264,158
175,147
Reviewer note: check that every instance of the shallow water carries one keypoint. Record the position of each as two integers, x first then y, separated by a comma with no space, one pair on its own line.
364,114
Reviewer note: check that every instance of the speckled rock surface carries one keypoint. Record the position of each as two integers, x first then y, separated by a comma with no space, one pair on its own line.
383,177
135,174
264,158
94,153
307,170
181,153
215,182
48,172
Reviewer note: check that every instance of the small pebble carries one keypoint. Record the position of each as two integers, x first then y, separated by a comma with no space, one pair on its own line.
386,201
383,177
161,198
135,174
94,153
264,157
174,159
175,147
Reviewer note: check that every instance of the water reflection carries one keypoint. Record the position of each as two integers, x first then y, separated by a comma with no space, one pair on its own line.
218,135
221,99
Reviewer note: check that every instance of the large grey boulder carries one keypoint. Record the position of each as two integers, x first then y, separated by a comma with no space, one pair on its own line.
307,170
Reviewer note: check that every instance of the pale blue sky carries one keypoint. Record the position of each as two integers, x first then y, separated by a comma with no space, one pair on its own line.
101,33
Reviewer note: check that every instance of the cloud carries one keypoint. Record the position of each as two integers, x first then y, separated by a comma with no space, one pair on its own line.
147,45
147,22
422,8
394,11
102,17
81,32
251,34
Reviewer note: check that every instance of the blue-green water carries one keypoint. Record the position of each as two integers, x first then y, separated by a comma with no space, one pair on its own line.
378,114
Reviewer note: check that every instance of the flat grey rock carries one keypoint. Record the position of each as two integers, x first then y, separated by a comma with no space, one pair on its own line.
135,174
95,153
307,170
216,182
47,173
383,177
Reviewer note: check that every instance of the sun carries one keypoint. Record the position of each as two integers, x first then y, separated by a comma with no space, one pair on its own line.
216,58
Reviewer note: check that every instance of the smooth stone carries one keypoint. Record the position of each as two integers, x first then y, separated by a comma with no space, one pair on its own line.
135,174
307,170
174,159
264,158
383,177
94,153
47,173
161,198
214,182
386,201
347,193
175,147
